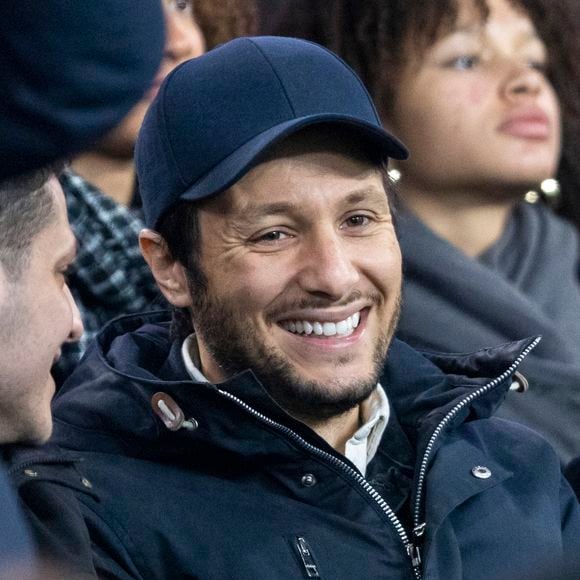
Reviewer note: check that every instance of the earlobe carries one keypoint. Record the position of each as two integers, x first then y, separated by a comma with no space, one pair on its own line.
169,274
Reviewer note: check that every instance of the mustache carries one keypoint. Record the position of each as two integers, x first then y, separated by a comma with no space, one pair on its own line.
319,302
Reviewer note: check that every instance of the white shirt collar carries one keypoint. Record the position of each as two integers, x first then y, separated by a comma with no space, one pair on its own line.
188,347
374,412
363,445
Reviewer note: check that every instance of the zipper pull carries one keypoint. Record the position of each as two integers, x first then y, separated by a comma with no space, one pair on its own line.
307,560
414,552
414,549
418,532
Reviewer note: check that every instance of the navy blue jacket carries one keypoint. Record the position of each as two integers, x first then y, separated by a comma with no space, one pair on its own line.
16,554
241,490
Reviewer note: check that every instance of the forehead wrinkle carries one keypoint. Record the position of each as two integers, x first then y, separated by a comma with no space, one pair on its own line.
255,212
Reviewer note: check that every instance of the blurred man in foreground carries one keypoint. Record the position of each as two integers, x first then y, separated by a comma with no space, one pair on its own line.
37,315
69,71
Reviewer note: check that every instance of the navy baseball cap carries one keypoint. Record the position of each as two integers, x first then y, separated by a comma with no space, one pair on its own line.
70,70
216,114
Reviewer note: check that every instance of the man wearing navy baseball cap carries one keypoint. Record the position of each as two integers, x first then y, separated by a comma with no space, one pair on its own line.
270,427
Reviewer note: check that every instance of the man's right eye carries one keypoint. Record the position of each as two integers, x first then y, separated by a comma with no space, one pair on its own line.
273,236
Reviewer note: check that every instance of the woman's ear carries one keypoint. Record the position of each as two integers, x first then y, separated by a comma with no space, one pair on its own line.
169,274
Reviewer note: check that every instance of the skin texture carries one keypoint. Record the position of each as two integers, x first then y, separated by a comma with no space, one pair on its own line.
482,122
305,235
38,315
452,107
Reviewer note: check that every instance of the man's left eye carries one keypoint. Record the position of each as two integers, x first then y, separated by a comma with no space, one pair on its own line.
356,221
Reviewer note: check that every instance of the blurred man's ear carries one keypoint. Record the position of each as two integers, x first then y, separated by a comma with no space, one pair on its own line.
169,274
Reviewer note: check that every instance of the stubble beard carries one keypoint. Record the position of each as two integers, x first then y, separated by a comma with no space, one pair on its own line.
236,347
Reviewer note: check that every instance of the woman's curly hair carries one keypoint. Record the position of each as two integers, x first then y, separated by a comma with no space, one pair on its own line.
221,21
374,37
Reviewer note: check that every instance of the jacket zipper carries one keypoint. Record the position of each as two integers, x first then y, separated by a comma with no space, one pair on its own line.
418,526
412,549
360,480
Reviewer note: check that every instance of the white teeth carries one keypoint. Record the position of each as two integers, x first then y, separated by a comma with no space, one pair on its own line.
329,329
342,328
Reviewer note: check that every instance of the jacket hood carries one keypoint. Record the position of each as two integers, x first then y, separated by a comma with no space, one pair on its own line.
110,392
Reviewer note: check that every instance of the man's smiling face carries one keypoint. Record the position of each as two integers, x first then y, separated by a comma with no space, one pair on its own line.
303,274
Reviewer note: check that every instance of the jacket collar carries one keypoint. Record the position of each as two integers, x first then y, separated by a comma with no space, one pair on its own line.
134,358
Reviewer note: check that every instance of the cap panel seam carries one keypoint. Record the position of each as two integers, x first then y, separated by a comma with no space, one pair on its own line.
347,67
165,128
276,75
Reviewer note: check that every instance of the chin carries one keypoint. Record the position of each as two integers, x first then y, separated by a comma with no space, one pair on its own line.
40,436
39,430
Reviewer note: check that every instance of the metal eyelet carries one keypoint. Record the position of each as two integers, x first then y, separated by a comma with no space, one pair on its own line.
481,472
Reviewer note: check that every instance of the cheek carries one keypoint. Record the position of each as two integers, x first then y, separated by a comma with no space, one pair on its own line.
254,283
457,109
551,104
476,93
383,265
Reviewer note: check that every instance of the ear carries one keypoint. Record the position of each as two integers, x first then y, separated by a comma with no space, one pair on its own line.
168,273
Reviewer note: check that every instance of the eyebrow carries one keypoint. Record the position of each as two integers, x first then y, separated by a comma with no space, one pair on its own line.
255,212
366,194
265,210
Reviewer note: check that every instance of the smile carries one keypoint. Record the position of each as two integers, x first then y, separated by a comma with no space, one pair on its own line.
319,328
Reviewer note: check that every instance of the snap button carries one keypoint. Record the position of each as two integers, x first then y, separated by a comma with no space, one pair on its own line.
86,483
481,472
519,383
309,480
31,473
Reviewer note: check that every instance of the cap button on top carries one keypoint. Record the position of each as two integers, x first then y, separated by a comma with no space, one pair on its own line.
481,472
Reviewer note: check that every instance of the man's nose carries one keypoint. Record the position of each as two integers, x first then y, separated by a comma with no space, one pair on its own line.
328,266
77,328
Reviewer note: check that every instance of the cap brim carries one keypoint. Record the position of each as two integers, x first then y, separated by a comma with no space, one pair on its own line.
235,166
